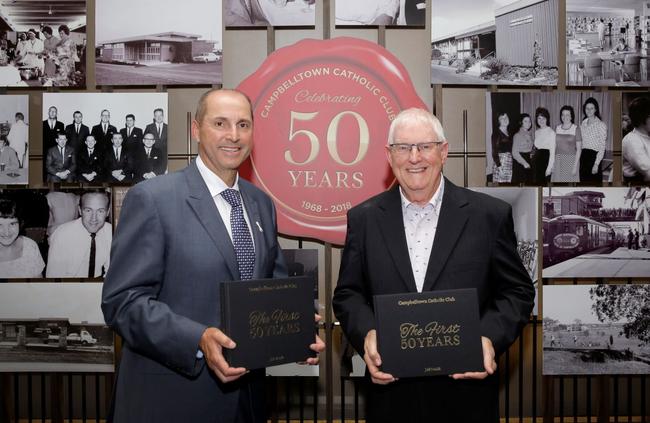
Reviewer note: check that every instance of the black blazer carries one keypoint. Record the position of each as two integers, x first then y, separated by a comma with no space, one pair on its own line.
111,163
77,141
90,163
156,162
161,141
49,135
134,141
103,140
54,163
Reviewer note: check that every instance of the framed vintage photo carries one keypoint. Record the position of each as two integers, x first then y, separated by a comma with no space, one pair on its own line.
635,128
54,327
96,138
499,42
607,43
596,232
400,13
14,139
55,233
276,13
140,43
44,44
596,330
536,138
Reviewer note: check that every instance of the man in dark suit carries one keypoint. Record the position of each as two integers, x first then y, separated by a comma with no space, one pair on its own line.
77,132
159,129
149,161
427,234
165,303
60,161
52,127
131,134
103,132
118,162
90,162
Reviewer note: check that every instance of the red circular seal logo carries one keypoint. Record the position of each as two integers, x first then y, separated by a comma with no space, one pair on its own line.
322,110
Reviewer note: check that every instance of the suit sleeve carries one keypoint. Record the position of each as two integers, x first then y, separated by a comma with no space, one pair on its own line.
130,294
512,293
50,163
352,301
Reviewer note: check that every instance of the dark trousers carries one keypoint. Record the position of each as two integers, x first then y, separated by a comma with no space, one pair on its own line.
539,167
521,175
437,399
587,160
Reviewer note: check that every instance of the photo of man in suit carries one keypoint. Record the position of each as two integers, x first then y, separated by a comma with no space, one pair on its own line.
166,303
118,162
148,160
90,162
425,234
60,161
131,134
77,131
103,131
159,129
52,127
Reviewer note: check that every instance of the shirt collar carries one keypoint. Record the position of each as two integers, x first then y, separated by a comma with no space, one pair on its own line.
642,135
215,184
436,200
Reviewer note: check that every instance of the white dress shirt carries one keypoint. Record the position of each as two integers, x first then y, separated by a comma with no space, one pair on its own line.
420,224
636,155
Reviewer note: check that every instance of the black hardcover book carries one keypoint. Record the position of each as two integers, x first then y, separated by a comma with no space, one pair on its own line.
271,320
429,334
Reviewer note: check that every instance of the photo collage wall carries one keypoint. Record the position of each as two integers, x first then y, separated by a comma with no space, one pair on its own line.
549,152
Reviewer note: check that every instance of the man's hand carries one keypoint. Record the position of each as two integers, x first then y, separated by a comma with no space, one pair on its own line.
373,360
211,343
488,362
318,346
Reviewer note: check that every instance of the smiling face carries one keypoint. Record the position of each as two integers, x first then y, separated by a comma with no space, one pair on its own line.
418,173
225,133
504,120
148,140
61,140
590,110
526,123
541,121
9,229
93,210
566,117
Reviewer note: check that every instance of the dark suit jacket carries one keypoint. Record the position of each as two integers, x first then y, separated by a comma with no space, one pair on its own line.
103,140
77,141
156,162
90,163
111,163
54,163
161,302
49,139
134,141
161,141
474,247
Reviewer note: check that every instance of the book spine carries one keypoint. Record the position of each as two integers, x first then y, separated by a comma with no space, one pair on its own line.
225,315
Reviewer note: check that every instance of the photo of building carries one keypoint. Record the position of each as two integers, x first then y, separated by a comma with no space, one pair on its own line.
499,42
169,45
607,43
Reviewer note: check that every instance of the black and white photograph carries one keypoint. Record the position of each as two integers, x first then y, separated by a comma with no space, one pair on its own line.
277,13
160,43
55,233
409,13
498,42
607,43
300,262
596,330
536,138
43,43
596,232
14,139
54,327
524,203
635,128
96,138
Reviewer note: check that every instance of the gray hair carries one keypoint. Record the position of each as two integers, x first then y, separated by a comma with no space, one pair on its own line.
413,116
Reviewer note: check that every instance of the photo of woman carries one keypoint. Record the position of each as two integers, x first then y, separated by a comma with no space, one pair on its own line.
19,255
522,148
501,151
544,158
594,137
568,147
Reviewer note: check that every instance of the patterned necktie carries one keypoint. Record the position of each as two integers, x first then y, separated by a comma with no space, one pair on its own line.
241,236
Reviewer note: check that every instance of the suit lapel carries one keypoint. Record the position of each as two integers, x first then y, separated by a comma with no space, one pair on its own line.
206,211
391,225
253,212
452,219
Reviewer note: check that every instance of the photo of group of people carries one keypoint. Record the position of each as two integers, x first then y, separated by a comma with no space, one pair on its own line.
14,139
381,12
635,125
99,152
55,234
538,138
293,13
43,46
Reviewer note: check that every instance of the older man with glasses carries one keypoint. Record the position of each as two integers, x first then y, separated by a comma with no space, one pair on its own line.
427,234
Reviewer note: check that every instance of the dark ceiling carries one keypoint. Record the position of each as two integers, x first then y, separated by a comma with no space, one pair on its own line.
20,15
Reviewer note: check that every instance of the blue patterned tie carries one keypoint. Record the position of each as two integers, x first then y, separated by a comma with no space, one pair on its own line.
241,236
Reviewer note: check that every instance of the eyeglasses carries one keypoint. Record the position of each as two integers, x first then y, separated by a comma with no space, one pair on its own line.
424,147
